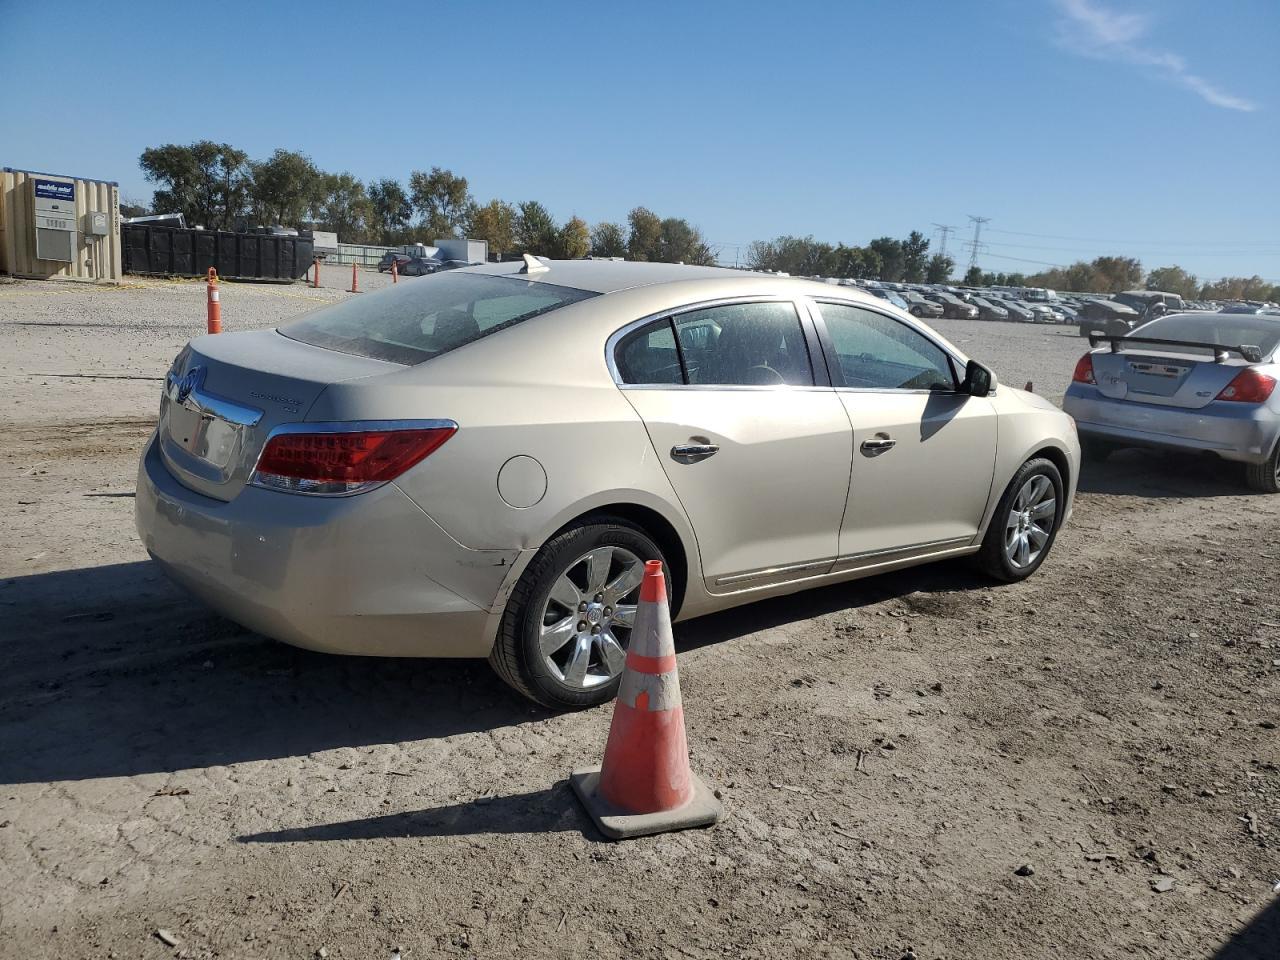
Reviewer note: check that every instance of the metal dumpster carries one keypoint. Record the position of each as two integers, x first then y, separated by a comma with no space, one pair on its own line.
176,252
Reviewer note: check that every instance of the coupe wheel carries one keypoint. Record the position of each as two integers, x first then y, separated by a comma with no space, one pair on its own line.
1265,477
565,632
1025,523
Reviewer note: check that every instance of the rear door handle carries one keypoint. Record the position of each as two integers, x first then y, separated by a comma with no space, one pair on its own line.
878,445
693,452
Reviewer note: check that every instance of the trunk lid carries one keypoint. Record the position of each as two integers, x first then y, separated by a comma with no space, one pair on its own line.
227,392
1166,378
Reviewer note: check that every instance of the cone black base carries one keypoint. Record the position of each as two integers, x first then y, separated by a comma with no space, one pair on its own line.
702,810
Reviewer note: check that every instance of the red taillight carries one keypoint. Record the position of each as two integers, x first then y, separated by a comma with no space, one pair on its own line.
1084,370
344,461
1249,386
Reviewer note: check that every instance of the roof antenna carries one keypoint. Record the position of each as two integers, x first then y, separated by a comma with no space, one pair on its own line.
533,265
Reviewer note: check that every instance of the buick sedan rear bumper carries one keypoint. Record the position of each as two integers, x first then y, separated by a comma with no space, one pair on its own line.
368,575
1245,432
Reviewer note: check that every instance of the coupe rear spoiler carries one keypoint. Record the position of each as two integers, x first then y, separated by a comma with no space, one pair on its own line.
1251,353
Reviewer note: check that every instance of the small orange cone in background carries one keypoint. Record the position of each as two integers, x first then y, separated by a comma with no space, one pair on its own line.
355,281
395,274
214,302
645,785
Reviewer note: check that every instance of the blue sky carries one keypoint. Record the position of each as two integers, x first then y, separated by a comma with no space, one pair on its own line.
1080,127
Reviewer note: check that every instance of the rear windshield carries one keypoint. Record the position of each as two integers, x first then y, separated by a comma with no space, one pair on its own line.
1226,330
429,316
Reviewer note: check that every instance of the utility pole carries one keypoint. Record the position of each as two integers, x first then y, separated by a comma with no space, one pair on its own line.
944,230
974,246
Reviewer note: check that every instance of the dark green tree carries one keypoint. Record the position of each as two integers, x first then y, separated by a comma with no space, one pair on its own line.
915,257
939,269
645,237
392,211
536,231
608,240
206,182
892,258
286,189
441,200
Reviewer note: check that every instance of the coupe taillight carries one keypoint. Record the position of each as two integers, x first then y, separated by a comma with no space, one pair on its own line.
345,461
1084,370
1249,386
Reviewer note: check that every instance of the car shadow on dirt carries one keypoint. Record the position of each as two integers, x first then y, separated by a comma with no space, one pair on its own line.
1260,940
112,671
555,810
1156,474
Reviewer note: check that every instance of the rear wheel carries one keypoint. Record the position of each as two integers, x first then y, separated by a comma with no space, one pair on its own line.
565,632
1265,477
1025,524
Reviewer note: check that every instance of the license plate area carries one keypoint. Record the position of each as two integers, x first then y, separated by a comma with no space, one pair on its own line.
1150,368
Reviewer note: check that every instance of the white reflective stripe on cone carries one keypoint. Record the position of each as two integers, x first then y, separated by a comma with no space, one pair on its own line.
651,635
663,689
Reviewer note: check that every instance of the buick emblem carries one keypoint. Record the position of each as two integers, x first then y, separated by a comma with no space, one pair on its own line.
180,388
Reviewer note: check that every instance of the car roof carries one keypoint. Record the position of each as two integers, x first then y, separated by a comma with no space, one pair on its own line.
610,276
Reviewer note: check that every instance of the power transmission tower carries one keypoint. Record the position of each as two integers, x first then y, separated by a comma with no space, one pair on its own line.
974,246
944,230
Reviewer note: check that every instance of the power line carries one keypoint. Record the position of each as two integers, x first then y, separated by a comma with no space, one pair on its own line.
1180,243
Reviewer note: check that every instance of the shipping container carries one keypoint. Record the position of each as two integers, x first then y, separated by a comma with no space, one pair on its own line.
54,226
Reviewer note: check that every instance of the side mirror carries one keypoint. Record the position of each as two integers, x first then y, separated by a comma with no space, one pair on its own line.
979,381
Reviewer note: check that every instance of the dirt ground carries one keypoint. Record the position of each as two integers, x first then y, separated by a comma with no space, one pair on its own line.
890,752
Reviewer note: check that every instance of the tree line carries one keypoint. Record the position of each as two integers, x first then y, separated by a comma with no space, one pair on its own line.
909,261
220,187
1113,274
894,261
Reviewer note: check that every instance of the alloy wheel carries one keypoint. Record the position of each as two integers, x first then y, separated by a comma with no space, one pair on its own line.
1030,521
588,616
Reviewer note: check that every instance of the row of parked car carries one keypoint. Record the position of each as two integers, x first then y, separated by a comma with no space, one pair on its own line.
1118,313
410,265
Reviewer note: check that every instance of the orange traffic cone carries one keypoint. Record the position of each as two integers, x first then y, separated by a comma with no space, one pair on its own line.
645,785
355,280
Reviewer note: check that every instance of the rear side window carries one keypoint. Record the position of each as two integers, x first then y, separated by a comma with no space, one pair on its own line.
741,344
429,316
649,355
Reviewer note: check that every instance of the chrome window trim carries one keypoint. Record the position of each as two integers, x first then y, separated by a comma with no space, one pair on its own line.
908,321
338,426
615,338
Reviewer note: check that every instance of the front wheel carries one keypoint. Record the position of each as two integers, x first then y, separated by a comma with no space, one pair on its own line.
1025,524
565,632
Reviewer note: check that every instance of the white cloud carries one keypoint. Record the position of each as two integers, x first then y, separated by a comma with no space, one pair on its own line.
1094,31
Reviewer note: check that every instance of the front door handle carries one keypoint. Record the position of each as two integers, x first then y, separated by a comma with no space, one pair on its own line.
878,445
693,452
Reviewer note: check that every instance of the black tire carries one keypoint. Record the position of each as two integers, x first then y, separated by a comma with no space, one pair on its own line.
1264,477
992,559
516,656
1093,450
917,312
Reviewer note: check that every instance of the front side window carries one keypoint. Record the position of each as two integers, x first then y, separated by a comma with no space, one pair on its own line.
424,318
741,344
876,352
